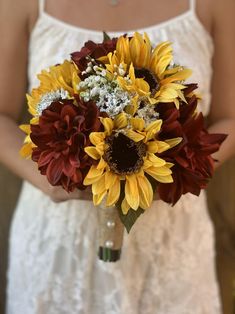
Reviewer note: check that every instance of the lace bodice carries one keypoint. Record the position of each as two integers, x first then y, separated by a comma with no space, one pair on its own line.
167,264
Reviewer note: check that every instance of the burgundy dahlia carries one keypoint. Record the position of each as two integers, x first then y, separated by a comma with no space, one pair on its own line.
193,164
94,51
61,135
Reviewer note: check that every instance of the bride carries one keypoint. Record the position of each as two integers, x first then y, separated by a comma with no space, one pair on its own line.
167,264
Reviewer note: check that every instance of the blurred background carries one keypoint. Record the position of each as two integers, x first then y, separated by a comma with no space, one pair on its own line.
221,199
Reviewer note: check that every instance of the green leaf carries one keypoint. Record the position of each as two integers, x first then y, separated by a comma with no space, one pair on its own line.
130,218
105,37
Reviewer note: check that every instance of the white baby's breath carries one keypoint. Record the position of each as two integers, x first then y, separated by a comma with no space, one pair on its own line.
107,94
48,98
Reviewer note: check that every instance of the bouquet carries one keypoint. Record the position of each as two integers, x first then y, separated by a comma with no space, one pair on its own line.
120,118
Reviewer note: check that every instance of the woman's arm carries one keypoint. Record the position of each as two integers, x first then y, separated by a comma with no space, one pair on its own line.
14,34
222,115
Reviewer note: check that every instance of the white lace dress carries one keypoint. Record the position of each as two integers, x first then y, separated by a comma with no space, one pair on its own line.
167,264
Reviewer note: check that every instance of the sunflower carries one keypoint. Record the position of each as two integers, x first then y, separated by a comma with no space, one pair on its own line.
126,151
60,82
161,81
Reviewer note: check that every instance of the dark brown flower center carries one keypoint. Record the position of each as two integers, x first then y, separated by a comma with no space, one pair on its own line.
123,155
149,77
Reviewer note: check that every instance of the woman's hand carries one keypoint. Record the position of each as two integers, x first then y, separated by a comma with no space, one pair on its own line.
58,194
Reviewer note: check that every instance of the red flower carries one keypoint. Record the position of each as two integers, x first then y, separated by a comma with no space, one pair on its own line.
94,51
194,165
61,135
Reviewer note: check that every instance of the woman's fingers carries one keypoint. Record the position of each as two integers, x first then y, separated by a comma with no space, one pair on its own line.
81,195
58,194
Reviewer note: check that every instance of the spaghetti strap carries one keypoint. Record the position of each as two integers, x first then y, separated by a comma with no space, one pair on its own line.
41,5
192,5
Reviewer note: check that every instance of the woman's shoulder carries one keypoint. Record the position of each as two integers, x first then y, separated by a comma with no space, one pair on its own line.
204,12
20,13
215,13
33,13
223,11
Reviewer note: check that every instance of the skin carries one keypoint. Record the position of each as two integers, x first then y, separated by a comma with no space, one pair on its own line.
17,19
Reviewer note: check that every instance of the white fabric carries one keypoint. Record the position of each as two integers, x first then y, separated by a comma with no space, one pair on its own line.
167,264
192,4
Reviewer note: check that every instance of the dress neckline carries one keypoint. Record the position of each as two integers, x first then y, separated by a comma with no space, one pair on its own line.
91,31
74,28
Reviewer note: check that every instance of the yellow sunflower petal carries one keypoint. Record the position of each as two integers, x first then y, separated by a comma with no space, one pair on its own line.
179,76
135,49
150,135
181,96
155,125
32,103
147,40
26,150
100,148
92,152
162,171
162,146
125,206
110,179
152,129
34,120
93,175
174,141
147,164
132,73
136,137
140,47
152,147
99,186
173,70
160,59
97,137
145,192
28,139
132,108
146,48
102,164
162,65
142,86
175,86
123,49
177,103
120,121
164,179
113,193
132,192
162,49
169,164
156,161
161,174
169,93
137,123
97,198
25,128
108,124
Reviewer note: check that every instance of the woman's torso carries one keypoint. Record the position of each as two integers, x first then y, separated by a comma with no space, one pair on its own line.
166,256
